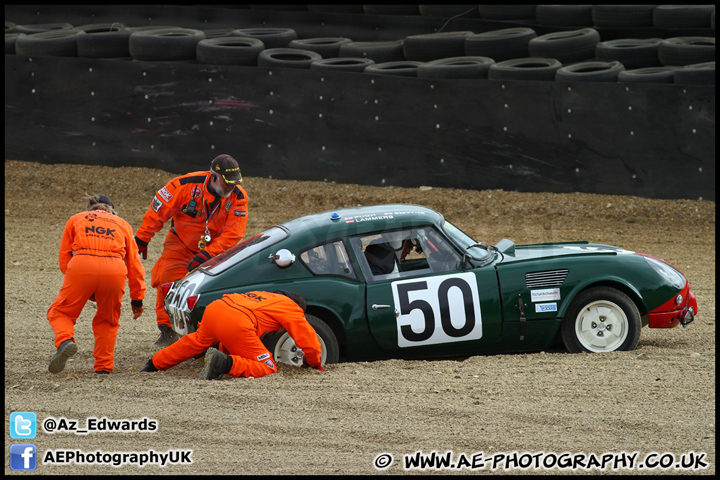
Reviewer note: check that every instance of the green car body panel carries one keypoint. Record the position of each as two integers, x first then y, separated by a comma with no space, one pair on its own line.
492,299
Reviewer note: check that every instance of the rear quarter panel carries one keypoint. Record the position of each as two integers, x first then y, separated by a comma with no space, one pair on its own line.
338,301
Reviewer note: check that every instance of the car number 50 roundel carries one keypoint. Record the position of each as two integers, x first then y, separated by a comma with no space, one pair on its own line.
436,310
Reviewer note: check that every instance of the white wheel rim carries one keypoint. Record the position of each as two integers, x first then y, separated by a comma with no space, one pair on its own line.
601,326
287,352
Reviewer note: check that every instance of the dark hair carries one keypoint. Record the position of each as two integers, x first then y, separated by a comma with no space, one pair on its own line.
99,202
294,297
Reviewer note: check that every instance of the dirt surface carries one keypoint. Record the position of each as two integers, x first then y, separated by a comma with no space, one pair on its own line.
658,398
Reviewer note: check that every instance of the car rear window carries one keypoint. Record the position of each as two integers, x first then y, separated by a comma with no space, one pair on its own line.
243,250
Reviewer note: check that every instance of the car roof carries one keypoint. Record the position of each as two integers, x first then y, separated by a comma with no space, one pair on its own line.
363,219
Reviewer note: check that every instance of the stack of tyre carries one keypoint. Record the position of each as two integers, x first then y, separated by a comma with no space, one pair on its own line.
682,60
576,55
568,55
102,40
250,47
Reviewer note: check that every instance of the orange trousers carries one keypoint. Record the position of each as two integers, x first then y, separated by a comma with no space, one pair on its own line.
87,275
237,334
171,266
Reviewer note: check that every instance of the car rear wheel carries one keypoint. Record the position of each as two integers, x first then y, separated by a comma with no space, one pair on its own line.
283,348
601,319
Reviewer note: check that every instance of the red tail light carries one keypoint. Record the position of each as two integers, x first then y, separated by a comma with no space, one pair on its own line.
192,301
166,288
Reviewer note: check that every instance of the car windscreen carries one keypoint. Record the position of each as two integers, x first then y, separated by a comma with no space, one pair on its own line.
465,242
243,250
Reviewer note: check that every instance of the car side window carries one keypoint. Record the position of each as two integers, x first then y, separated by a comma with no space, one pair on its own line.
440,253
328,259
404,253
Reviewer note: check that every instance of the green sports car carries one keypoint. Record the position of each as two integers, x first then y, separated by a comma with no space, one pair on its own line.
400,281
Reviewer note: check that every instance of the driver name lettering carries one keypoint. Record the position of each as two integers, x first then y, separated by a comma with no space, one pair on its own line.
386,216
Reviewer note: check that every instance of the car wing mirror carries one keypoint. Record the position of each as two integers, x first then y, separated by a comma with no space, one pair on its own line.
283,258
465,263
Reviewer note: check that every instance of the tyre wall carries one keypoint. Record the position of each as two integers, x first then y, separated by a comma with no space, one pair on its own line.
649,140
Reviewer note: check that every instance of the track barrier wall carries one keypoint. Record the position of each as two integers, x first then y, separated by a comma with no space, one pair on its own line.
648,140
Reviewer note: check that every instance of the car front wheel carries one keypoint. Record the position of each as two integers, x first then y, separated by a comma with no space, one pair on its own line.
601,319
283,348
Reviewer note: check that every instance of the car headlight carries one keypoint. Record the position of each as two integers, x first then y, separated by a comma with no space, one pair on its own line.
674,277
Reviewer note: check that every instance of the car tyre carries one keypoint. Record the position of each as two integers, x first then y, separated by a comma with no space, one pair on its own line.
434,46
631,52
57,43
10,39
648,75
327,47
681,51
697,74
41,27
271,37
342,64
601,319
682,16
564,15
566,46
165,44
379,52
405,68
623,15
103,40
590,72
287,58
283,348
500,45
229,51
456,67
525,69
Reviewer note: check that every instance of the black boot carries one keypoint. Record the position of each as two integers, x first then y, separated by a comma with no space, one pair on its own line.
216,364
167,336
149,367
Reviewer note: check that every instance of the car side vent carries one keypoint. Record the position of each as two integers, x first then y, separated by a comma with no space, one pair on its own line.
549,278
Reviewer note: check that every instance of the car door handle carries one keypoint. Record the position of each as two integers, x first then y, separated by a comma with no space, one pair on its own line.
378,307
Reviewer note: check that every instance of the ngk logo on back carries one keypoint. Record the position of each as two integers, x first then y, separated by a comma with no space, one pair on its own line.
100,231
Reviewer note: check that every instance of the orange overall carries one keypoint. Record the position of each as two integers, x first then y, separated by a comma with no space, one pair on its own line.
238,321
97,254
194,209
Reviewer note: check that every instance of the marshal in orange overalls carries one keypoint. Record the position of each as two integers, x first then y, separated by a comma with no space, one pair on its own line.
97,254
193,208
238,321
